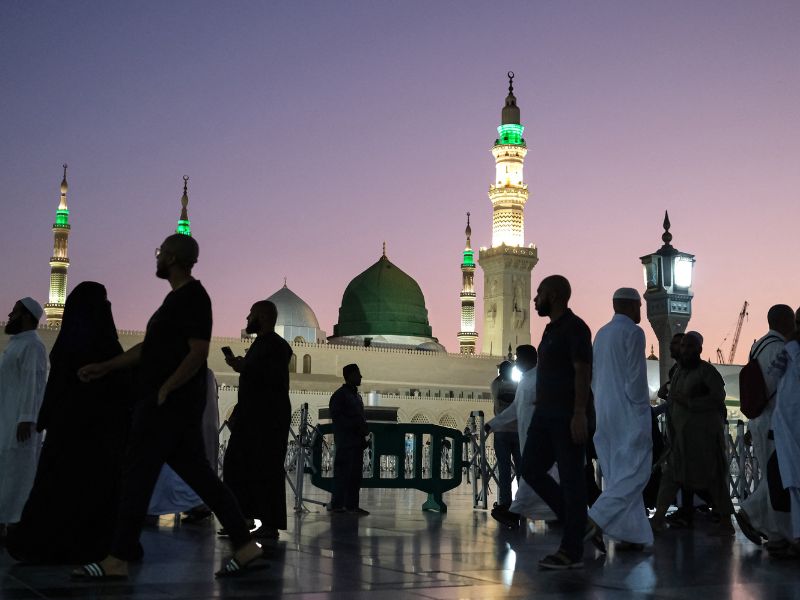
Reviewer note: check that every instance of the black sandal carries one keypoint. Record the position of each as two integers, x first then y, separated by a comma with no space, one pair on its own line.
234,568
95,572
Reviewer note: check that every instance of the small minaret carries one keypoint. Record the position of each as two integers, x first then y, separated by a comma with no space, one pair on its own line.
59,262
507,264
467,337
184,226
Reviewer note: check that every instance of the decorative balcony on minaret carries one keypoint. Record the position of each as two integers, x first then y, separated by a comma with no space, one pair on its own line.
507,265
59,262
467,337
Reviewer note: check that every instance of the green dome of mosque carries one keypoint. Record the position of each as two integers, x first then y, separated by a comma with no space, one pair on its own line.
383,300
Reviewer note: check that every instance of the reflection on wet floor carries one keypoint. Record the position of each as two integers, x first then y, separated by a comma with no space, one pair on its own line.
400,552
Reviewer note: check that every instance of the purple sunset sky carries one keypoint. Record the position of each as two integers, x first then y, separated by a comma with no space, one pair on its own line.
312,132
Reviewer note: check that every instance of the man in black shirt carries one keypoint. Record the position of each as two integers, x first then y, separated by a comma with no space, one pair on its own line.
254,458
559,431
349,436
167,419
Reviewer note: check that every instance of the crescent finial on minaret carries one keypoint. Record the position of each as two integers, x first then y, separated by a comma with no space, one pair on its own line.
64,185
511,82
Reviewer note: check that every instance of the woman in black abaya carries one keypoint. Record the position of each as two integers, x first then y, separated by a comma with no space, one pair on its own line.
69,515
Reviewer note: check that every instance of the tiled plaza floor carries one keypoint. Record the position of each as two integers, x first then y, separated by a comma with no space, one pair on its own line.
401,553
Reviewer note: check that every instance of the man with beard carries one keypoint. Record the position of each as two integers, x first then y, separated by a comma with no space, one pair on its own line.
23,372
623,438
349,437
254,460
559,430
167,418
697,457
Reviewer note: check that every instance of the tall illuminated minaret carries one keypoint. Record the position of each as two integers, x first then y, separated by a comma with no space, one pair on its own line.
467,336
507,265
59,262
184,226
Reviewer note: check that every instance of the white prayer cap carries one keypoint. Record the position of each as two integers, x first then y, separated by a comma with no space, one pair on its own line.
33,307
627,294
696,335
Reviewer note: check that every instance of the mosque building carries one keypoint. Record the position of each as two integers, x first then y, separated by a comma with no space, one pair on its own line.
383,321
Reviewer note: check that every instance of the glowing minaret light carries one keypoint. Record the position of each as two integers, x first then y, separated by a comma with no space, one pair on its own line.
59,262
467,336
508,263
184,226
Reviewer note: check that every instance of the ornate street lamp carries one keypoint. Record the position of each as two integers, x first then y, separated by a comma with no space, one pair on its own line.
668,279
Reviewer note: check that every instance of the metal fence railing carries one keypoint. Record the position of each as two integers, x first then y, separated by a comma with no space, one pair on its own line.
469,453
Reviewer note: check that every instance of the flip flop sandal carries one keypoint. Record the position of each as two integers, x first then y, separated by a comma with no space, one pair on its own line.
559,562
595,535
234,568
95,572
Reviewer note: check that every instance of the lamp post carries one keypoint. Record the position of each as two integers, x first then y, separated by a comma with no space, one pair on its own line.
668,279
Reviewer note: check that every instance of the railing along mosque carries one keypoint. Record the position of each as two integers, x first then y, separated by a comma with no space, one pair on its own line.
476,459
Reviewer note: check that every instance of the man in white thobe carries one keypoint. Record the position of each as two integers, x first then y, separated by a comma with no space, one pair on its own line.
526,502
756,516
623,438
23,373
786,424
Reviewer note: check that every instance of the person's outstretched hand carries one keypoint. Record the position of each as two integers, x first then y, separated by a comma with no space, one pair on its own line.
92,371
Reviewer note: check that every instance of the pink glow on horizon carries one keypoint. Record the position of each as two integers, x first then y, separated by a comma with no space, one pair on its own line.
312,134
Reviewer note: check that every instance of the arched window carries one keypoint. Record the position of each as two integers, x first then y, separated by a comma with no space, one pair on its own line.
307,363
293,364
420,418
448,421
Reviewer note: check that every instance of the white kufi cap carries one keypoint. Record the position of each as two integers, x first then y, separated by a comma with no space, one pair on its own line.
33,307
627,293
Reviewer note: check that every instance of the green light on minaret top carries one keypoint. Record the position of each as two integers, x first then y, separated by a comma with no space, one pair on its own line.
469,257
62,217
510,130
510,134
184,226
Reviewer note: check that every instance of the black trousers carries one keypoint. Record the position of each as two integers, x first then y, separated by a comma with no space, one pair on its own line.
171,434
348,470
550,441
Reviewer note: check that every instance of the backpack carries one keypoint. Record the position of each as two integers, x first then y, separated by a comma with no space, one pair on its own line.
752,386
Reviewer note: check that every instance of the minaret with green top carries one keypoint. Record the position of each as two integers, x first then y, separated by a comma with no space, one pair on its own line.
59,262
184,226
467,336
508,263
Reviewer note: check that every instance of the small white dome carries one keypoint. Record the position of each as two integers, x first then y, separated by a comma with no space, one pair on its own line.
293,310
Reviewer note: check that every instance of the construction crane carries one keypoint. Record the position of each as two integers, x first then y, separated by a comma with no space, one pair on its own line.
720,356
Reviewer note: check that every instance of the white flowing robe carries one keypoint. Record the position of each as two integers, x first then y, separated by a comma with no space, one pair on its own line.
23,374
519,414
786,427
776,525
623,438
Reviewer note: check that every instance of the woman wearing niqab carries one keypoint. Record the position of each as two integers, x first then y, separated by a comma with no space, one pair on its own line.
69,515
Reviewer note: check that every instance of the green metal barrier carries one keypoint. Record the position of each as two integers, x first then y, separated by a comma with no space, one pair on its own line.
389,440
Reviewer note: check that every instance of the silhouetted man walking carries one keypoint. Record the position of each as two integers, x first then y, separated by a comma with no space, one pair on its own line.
167,418
559,428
